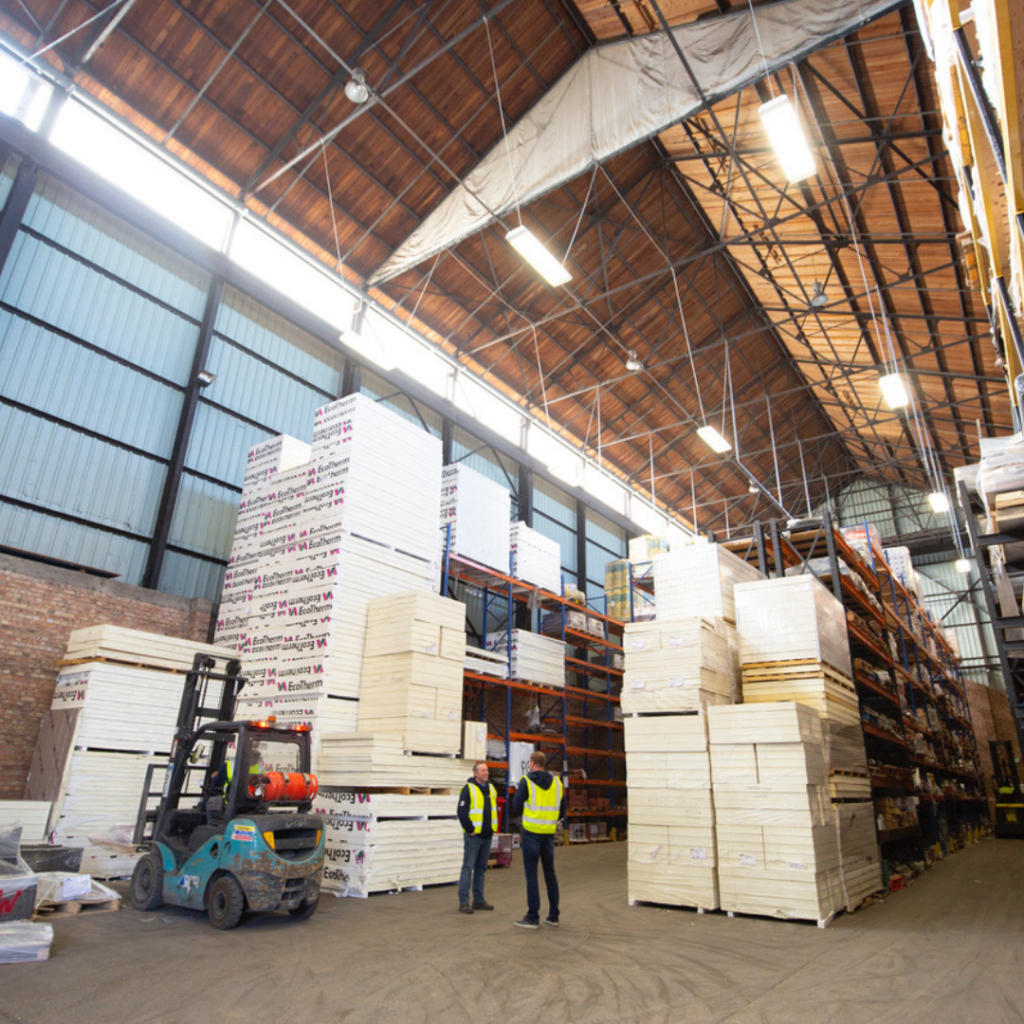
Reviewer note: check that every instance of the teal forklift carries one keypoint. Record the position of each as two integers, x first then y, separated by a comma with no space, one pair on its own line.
233,830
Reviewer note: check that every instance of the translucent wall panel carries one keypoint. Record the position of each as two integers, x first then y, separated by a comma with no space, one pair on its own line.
380,390
191,577
62,378
122,251
8,169
56,468
28,530
204,517
220,444
554,515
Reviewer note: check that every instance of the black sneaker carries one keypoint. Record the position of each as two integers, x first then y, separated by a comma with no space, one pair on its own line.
553,921
482,905
465,908
528,922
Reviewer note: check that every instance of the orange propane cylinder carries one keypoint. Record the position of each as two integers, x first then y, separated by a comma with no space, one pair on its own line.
284,787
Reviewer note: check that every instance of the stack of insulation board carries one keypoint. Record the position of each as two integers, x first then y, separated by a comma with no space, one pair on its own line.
671,811
677,666
378,760
106,724
778,845
699,580
536,559
534,658
358,521
379,842
412,671
478,511
794,646
488,663
858,849
32,816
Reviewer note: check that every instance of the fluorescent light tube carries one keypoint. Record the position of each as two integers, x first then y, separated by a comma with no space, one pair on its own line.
939,502
713,439
962,565
894,391
787,138
530,247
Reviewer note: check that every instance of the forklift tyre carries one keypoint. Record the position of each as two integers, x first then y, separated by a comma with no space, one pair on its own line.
147,888
306,910
226,903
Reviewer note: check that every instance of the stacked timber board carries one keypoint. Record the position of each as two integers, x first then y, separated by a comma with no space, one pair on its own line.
815,672
316,543
672,846
477,513
532,658
674,666
381,842
108,722
412,671
778,845
536,559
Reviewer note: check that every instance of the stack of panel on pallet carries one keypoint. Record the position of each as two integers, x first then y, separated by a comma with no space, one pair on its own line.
379,842
536,559
358,521
412,671
671,835
676,666
476,511
108,721
778,846
533,658
794,647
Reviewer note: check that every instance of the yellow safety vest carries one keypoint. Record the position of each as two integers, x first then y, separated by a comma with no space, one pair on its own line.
542,805
254,769
476,807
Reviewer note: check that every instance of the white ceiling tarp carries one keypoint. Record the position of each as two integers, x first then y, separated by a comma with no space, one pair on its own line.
619,94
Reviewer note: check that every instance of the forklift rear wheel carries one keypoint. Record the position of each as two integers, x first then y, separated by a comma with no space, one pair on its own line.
227,903
147,888
306,910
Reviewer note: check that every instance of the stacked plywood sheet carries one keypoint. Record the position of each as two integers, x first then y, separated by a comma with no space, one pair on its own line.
106,724
533,658
675,665
379,842
778,847
814,671
672,845
699,580
412,671
536,559
477,512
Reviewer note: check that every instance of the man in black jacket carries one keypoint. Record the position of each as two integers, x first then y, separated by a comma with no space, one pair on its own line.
540,800
478,815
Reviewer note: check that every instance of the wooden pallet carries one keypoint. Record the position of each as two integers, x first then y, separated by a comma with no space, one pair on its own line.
672,906
795,669
75,908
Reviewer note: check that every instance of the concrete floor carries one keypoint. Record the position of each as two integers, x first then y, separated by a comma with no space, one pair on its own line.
947,949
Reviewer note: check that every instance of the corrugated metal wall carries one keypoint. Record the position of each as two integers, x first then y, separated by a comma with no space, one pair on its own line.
554,515
606,542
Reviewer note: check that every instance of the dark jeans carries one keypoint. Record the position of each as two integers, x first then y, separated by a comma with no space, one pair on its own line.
475,851
537,847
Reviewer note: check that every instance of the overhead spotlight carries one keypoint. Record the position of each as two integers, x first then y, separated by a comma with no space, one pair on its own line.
752,488
205,378
939,502
356,88
633,364
819,299
963,565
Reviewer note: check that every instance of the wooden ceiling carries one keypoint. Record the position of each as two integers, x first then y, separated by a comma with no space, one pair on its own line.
690,249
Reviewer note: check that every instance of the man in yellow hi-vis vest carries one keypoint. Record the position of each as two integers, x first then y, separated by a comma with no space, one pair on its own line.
540,799
478,815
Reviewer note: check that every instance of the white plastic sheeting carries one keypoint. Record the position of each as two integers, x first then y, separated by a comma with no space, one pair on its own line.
617,95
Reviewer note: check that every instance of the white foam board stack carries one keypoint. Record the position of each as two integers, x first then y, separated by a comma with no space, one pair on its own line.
675,665
778,845
488,663
32,816
536,559
699,580
378,760
478,511
534,658
793,618
671,839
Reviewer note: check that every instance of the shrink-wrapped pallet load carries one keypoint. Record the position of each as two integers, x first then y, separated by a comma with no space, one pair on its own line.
671,839
536,559
699,580
778,847
533,658
675,666
475,514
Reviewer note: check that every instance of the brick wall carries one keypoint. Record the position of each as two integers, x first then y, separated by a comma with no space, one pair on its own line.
39,607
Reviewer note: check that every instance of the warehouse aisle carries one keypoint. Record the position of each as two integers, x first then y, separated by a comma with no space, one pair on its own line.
948,949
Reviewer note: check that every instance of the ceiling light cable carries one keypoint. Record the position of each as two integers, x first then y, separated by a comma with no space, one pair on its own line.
501,117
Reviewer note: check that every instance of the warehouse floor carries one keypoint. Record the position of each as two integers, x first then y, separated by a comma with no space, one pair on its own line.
947,949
